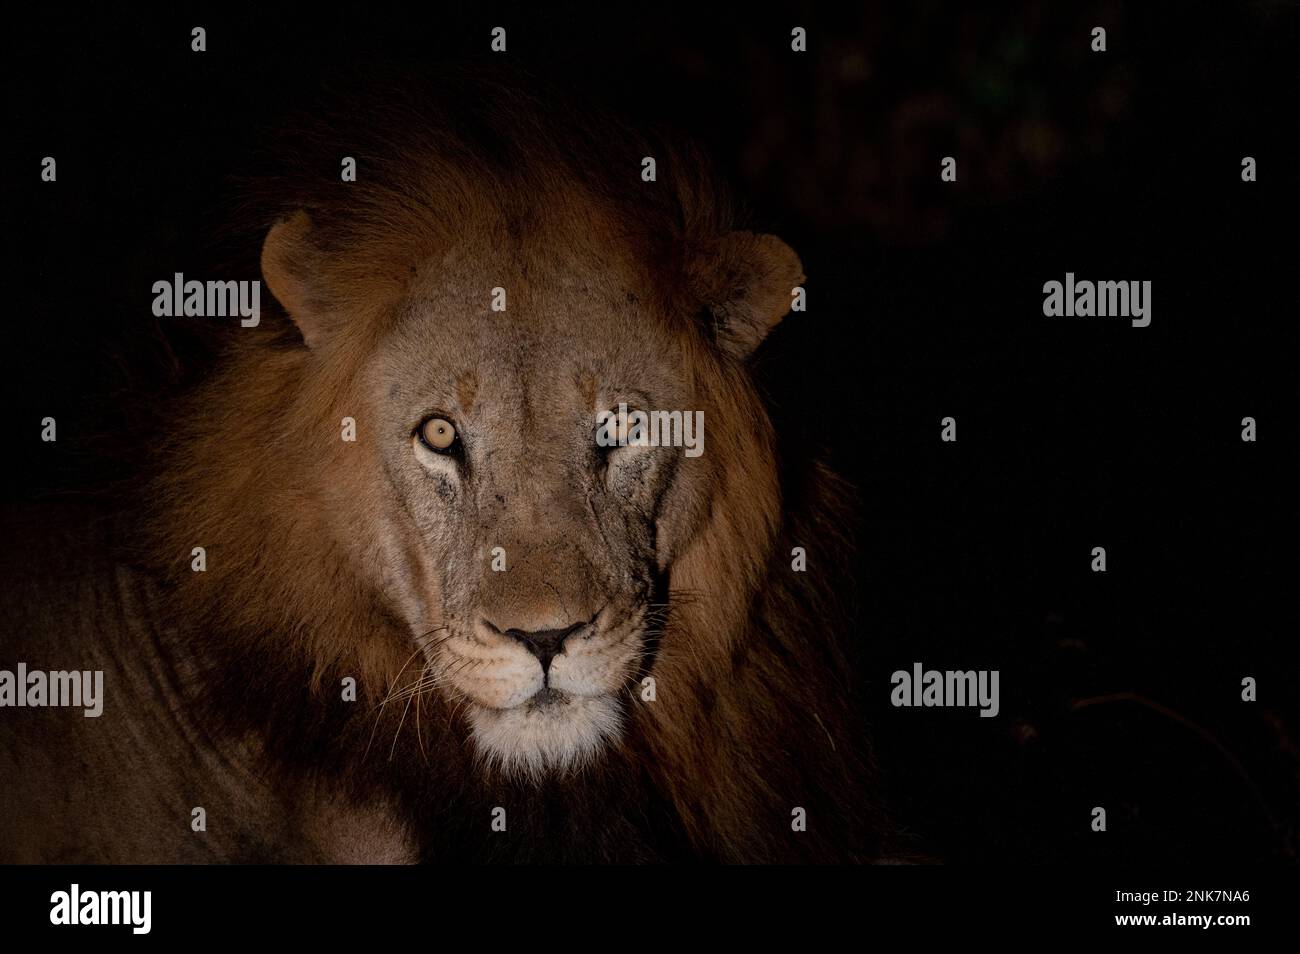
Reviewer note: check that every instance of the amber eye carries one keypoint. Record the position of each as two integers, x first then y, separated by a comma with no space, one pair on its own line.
437,433
619,428
625,427
614,430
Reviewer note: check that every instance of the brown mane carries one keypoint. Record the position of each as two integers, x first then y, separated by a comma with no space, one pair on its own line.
757,716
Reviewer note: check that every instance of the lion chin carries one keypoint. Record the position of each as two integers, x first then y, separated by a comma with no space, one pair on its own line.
553,732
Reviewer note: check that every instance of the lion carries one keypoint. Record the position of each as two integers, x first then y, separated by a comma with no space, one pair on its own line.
385,598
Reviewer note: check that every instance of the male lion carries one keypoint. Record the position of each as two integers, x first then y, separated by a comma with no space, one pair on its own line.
560,650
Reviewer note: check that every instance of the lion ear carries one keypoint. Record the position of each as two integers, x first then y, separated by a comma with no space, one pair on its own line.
291,268
747,282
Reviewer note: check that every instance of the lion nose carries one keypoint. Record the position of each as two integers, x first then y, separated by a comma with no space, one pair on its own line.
545,644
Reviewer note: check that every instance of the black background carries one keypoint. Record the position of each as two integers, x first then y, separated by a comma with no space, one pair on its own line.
925,301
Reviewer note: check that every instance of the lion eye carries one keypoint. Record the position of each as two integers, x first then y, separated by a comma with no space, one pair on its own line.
437,433
615,430
619,428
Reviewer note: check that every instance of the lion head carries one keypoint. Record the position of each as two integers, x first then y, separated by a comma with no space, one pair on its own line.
415,482
528,557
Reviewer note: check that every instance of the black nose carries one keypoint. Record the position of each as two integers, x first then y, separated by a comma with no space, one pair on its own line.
545,644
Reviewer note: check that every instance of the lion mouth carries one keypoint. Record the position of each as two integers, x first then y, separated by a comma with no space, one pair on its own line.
553,731
546,698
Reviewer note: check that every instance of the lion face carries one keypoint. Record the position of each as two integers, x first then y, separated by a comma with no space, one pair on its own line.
528,561
539,549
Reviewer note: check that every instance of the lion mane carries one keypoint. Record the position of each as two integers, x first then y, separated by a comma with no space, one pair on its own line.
755,717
